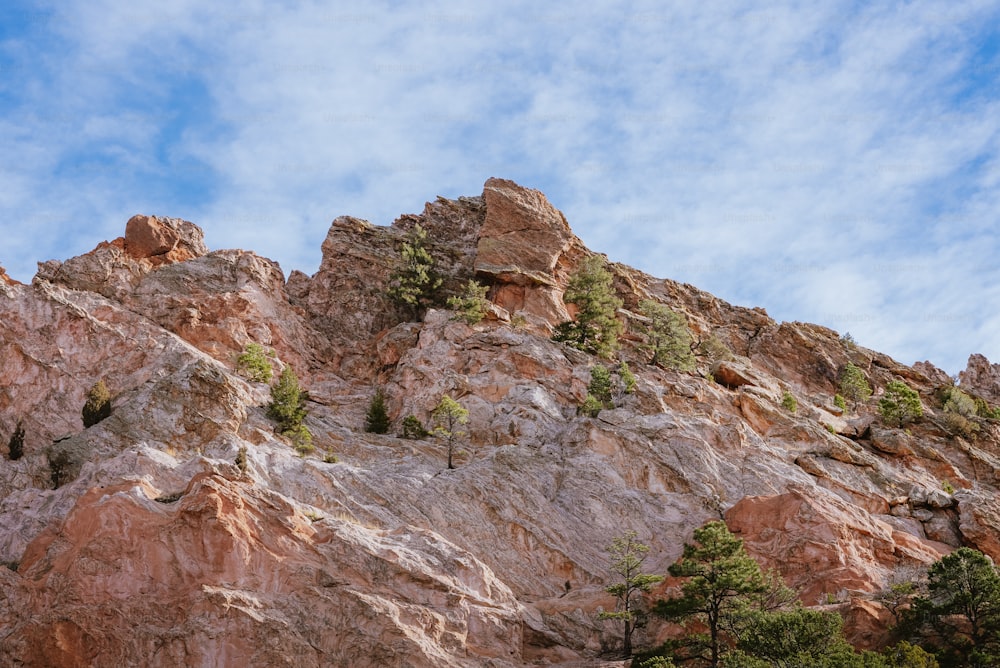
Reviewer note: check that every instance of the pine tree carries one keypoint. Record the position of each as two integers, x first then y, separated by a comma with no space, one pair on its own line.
596,327
900,404
15,447
414,281
721,577
472,305
377,419
627,556
288,409
854,386
253,364
668,339
448,417
98,404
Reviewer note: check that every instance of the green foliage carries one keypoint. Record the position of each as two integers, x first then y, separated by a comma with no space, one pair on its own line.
848,341
626,378
288,409
959,618
254,365
413,428
448,417
600,384
330,458
983,410
414,283
591,406
788,402
839,402
472,305
854,385
596,327
241,459
957,401
15,447
905,655
794,637
98,404
900,404
377,418
947,487
713,349
657,662
721,577
627,555
668,339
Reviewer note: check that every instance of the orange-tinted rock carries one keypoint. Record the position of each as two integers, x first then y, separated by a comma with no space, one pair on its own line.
163,240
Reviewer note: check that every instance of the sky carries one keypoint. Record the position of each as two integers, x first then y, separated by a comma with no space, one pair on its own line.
832,162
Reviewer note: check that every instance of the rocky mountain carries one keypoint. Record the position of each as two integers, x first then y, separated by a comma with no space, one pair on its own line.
138,541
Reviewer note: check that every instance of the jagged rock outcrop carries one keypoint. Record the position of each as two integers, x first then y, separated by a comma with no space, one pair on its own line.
137,541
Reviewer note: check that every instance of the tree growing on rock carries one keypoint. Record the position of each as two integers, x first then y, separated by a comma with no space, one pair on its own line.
668,339
448,418
900,404
377,418
596,327
854,386
288,409
254,365
98,404
472,305
627,555
414,282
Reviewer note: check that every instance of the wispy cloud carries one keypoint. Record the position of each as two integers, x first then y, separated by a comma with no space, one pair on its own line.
834,163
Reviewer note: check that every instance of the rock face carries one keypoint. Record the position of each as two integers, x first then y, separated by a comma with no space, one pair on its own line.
138,541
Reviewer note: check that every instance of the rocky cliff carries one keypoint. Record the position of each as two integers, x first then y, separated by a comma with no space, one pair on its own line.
138,541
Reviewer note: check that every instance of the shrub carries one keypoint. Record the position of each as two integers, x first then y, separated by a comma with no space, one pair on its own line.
377,419
472,305
839,402
301,439
959,425
600,385
591,406
413,428
789,403
713,349
900,405
596,327
668,339
98,404
254,365
414,282
947,487
241,459
957,401
15,447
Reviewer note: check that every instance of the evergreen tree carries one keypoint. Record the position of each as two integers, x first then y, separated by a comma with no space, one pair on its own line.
472,305
721,577
900,404
600,384
253,364
377,419
854,386
414,281
98,404
668,339
959,618
288,409
627,556
448,417
596,327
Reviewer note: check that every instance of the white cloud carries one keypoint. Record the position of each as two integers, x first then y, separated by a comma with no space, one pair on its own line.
809,159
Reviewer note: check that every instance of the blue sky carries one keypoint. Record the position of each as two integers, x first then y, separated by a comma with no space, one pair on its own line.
834,162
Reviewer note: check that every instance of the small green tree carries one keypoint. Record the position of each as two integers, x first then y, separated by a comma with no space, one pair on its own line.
839,402
623,384
254,365
98,404
713,349
15,447
591,407
600,384
788,402
627,556
241,460
413,428
288,409
900,404
596,327
414,282
377,418
668,339
854,386
472,305
795,637
721,577
959,618
448,417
